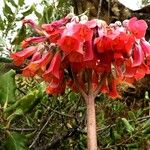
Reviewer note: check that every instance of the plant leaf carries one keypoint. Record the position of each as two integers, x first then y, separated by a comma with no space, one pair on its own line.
7,9
7,87
28,11
127,125
13,3
20,2
20,36
6,60
146,124
16,141
114,135
1,24
25,104
39,15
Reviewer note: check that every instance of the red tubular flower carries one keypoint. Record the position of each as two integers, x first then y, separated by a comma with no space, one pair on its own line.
32,40
129,81
33,25
104,87
120,52
55,35
141,71
71,83
19,57
112,84
38,66
48,28
145,47
91,23
137,27
88,50
130,72
69,44
129,69
77,66
123,44
138,55
30,22
91,64
75,85
56,87
27,72
82,32
76,56
36,56
119,68
105,60
54,68
45,61
103,44
55,25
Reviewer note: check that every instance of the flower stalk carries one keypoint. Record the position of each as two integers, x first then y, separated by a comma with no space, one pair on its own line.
91,123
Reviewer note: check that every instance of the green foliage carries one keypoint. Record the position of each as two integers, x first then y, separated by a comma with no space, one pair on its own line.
146,127
114,135
6,9
2,44
7,87
28,11
127,125
13,3
21,2
5,60
20,36
26,103
38,14
2,27
16,141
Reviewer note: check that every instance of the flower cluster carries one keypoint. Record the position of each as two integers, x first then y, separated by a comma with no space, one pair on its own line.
66,50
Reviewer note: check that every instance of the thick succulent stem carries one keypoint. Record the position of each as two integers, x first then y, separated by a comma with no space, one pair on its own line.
91,123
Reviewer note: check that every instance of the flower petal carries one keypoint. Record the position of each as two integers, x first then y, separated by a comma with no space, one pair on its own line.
19,57
138,56
69,44
54,68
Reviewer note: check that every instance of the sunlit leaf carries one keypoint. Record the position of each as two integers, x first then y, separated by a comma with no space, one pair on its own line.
20,36
2,42
39,15
47,14
127,125
21,2
7,87
7,9
1,24
131,115
13,3
10,18
28,11
61,2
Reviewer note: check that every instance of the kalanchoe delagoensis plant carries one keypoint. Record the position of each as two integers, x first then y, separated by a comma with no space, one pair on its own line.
88,56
